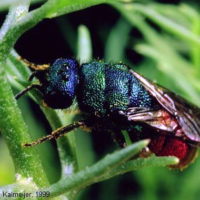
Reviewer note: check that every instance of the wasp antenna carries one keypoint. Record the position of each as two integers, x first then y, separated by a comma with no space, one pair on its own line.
26,90
57,133
34,66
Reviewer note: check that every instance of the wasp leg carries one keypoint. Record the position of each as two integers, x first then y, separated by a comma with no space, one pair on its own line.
35,66
33,74
57,133
17,96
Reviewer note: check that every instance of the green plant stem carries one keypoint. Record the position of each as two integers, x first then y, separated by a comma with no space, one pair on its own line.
7,39
139,163
15,132
92,174
12,126
5,4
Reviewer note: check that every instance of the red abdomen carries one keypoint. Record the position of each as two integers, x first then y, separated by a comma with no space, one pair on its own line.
172,146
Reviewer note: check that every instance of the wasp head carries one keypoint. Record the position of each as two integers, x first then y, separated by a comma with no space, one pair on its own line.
60,82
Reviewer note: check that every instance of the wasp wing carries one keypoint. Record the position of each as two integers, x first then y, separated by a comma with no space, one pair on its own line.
187,115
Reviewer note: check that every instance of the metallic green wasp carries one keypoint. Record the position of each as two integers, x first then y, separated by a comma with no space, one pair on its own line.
116,98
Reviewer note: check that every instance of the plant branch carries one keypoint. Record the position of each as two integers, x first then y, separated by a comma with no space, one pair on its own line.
92,174
14,131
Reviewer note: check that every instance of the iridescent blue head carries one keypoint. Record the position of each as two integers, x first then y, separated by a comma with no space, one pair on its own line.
60,83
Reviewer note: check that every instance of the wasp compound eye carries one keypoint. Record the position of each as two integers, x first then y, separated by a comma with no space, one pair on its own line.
61,82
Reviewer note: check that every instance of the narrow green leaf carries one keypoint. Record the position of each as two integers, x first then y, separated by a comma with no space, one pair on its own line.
168,67
92,174
5,4
195,50
139,163
173,12
166,23
60,7
15,132
126,137
114,50
84,45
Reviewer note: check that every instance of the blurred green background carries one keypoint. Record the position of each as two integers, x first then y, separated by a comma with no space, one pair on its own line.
160,39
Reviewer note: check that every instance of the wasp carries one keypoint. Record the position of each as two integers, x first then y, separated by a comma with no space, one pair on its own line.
117,98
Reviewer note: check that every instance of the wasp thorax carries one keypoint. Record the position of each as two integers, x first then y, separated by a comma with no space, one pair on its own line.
60,83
